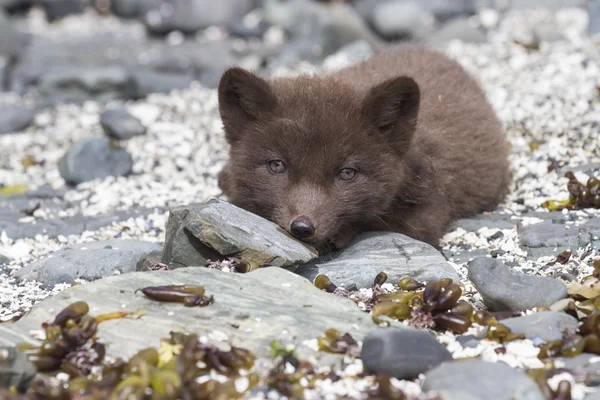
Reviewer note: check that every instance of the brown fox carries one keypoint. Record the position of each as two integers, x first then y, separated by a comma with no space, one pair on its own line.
402,142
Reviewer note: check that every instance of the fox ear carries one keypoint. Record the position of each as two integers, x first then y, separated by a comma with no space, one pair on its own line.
393,107
243,97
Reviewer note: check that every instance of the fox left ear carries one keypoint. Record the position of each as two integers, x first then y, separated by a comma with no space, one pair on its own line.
243,97
393,107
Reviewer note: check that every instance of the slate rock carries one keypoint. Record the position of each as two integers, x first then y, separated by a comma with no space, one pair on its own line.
57,9
149,261
402,19
15,118
480,380
80,83
547,236
403,353
503,289
492,220
132,8
120,124
4,260
546,325
582,364
15,369
250,309
146,82
4,62
94,158
593,9
468,341
316,29
190,16
445,10
457,29
88,261
368,254
9,37
198,232
551,5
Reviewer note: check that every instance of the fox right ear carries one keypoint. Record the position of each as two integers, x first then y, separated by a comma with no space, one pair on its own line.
243,97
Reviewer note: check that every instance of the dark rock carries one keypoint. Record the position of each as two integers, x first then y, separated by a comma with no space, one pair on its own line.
546,325
79,84
57,9
551,5
132,8
94,158
370,253
4,260
445,10
551,237
148,82
15,118
149,261
120,124
4,62
402,19
250,310
457,29
88,261
317,29
467,341
503,289
403,353
14,6
198,232
498,221
480,380
9,37
238,28
15,369
190,16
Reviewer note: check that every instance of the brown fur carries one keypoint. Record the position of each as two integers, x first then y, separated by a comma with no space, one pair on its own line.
427,146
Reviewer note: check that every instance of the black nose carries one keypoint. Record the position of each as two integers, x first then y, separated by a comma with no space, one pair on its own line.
302,228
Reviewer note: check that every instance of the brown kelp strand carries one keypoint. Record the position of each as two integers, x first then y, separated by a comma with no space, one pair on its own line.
188,295
334,342
580,196
437,305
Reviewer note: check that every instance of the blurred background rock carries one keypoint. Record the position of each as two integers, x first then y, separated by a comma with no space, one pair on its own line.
73,50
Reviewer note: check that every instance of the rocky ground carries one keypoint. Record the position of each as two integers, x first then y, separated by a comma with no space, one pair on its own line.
110,142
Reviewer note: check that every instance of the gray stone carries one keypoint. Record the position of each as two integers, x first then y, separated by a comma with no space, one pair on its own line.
78,84
4,62
145,82
402,19
498,221
481,380
57,9
546,325
503,289
9,37
457,29
190,16
445,10
149,261
15,369
468,341
87,261
546,4
132,8
317,29
463,256
250,309
15,118
349,55
582,364
593,396
94,158
402,353
552,236
593,9
4,259
370,253
120,124
197,232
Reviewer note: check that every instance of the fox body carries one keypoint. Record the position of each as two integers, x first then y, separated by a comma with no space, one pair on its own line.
402,142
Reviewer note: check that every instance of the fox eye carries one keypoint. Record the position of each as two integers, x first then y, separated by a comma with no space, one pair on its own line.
277,166
347,174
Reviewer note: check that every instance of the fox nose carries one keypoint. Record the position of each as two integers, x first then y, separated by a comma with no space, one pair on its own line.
302,228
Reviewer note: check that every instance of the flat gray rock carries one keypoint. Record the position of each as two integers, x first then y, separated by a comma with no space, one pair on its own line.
503,289
217,228
481,380
370,253
402,353
15,118
120,124
94,158
15,369
546,325
249,309
88,261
